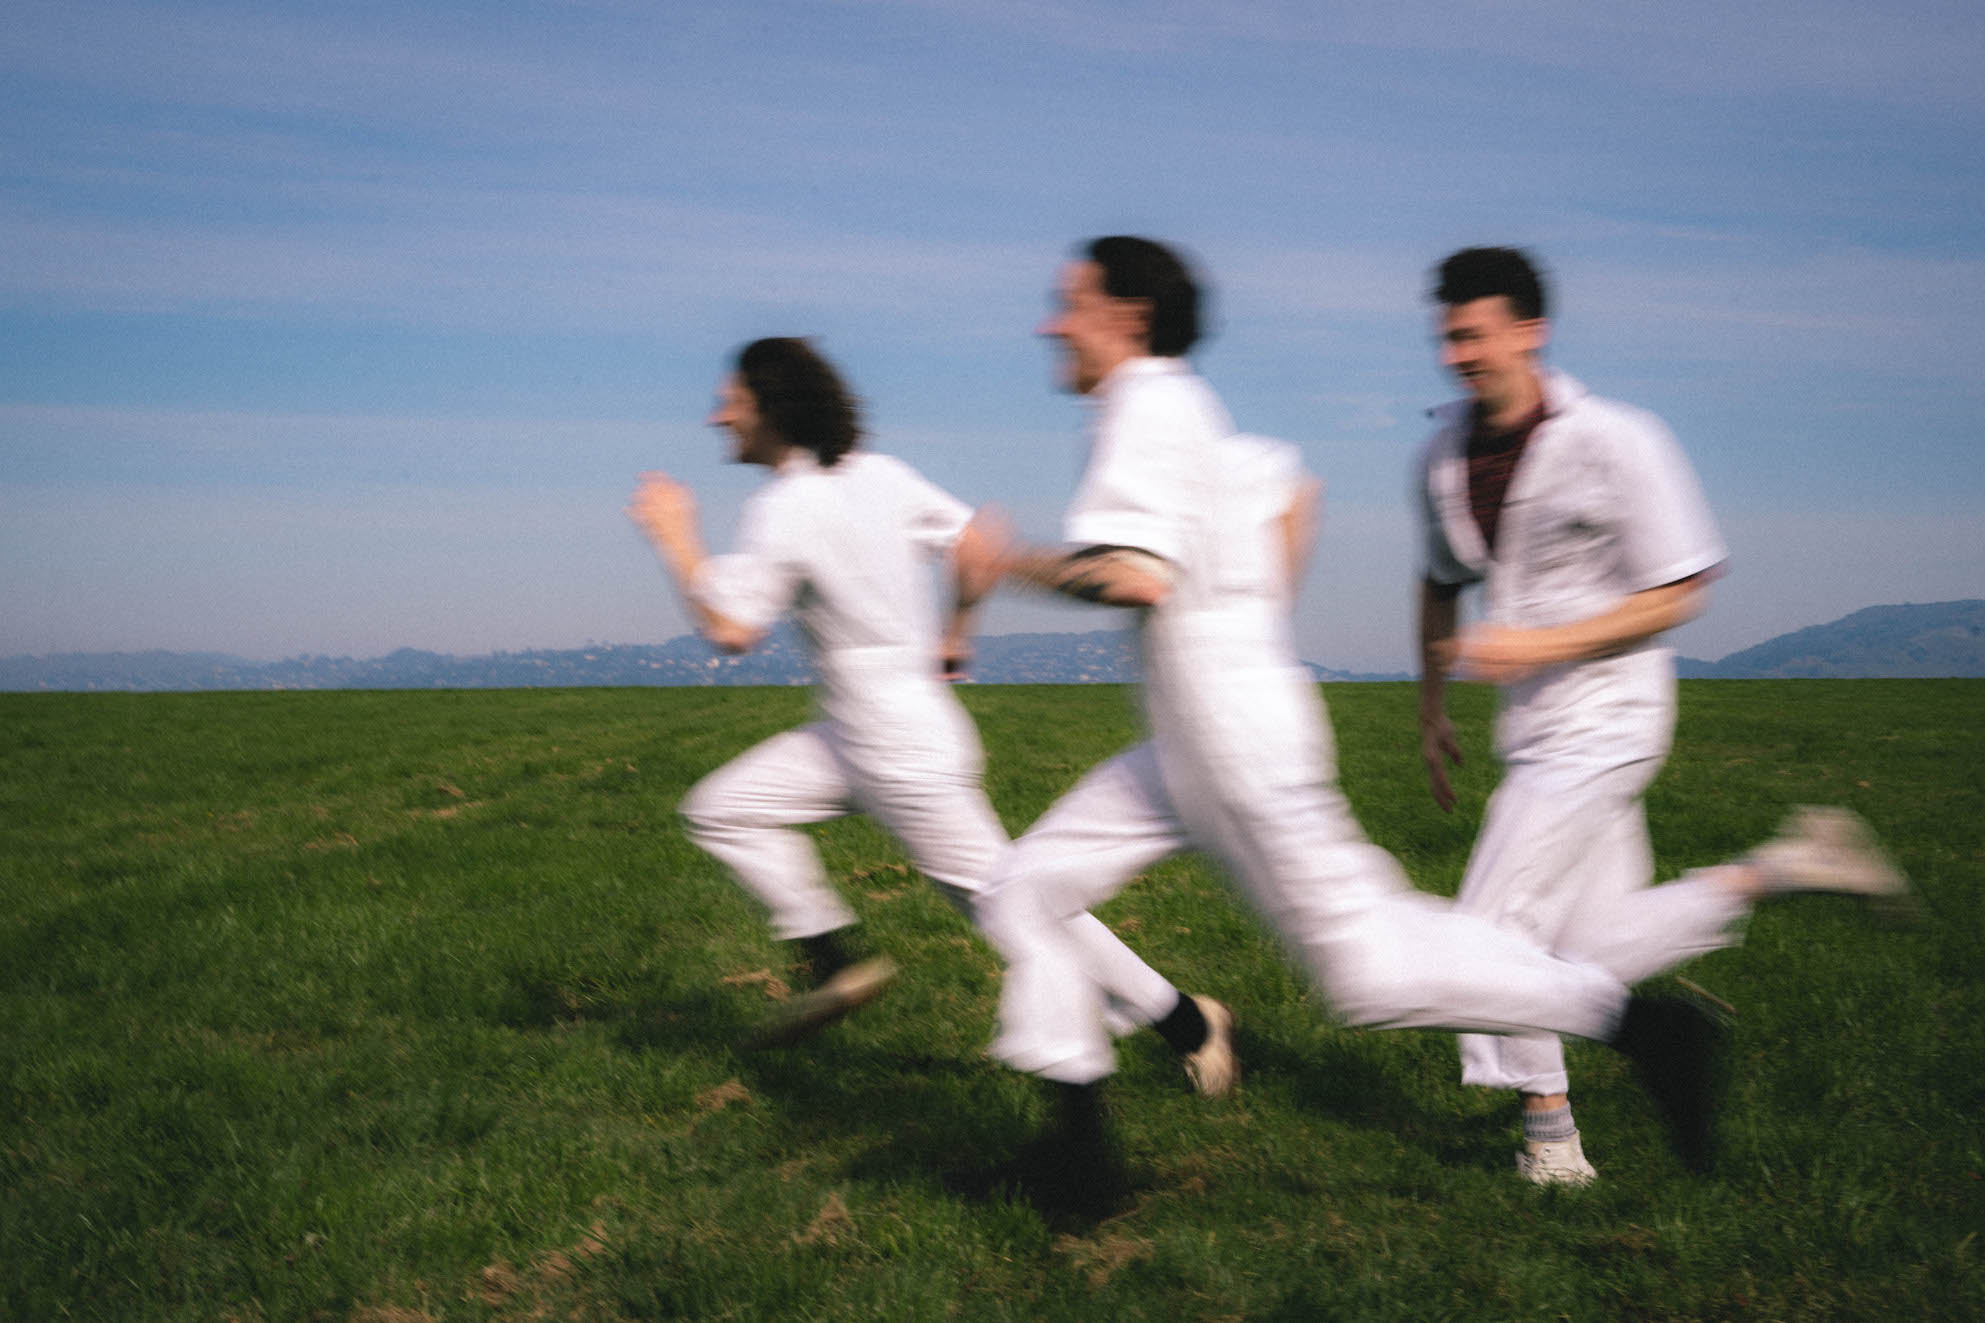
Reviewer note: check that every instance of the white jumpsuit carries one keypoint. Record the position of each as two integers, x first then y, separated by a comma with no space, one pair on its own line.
1603,504
847,550
1240,762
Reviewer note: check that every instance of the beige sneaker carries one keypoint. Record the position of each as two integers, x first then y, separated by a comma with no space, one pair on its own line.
1214,1068
810,1012
1556,1162
1833,849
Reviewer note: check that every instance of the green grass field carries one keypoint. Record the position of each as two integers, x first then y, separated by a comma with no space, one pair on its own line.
408,1006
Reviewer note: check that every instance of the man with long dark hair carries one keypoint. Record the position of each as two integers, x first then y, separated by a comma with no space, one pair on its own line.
842,537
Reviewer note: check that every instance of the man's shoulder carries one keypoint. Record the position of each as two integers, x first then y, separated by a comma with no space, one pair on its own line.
1601,411
1164,404
1157,381
865,465
1580,407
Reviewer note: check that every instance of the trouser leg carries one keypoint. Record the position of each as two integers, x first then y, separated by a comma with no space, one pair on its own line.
1047,1005
1110,826
1083,850
1384,955
1559,846
741,814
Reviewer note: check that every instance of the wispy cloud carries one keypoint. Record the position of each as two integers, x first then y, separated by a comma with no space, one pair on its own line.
1921,54
483,258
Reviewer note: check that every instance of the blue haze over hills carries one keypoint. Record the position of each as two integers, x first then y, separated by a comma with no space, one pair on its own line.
1906,641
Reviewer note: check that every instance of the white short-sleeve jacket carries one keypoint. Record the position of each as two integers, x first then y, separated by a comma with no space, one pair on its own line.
1603,504
848,551
1228,703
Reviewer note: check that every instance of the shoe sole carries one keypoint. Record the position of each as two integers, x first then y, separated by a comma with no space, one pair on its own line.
1219,1030
806,1015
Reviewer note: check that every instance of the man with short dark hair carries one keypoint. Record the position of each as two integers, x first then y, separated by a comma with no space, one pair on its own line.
1585,523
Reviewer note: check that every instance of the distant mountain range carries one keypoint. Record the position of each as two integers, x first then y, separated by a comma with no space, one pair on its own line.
1935,639
1914,641
1099,657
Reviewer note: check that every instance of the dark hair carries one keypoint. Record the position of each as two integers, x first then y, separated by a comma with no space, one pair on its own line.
800,396
1140,269
1483,273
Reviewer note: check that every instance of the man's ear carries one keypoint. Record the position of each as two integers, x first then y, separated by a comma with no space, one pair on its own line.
1537,332
1134,319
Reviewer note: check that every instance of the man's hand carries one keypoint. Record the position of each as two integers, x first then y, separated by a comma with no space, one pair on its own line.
954,653
664,509
1439,749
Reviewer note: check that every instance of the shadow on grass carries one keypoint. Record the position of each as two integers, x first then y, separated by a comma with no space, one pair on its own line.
1342,1080
680,1021
915,1114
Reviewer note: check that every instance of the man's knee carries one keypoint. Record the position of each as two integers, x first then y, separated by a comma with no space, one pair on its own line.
705,811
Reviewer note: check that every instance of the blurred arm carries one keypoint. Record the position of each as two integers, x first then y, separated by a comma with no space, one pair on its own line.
665,512
1299,525
1107,576
1439,610
1501,655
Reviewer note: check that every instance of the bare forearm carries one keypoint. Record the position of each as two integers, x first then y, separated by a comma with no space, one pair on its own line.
682,555
1299,525
1439,750
1439,615
1500,654
665,512
1107,577
1635,619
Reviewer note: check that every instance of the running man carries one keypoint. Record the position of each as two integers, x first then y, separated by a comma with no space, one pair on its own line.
1585,523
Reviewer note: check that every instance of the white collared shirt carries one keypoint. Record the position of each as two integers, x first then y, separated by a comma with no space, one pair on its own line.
1603,504
1168,475
847,550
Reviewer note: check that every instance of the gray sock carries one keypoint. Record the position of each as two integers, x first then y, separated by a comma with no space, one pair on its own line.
1552,1127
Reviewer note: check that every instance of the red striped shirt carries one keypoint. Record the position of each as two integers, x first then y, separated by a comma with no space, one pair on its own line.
1492,461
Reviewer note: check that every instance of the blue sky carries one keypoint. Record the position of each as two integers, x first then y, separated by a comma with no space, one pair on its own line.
339,327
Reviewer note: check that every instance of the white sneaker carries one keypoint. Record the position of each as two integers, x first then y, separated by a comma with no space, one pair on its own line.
1832,849
850,989
1214,1068
1555,1162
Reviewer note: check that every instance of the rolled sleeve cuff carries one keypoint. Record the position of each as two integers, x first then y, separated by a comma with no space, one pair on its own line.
1119,529
736,588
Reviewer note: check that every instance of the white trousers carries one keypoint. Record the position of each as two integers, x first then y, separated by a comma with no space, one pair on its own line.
1382,953
1563,858
931,800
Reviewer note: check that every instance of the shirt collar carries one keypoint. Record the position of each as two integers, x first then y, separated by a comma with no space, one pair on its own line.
1150,365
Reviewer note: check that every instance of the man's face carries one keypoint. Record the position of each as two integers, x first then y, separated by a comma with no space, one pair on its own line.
1490,348
737,412
1097,332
